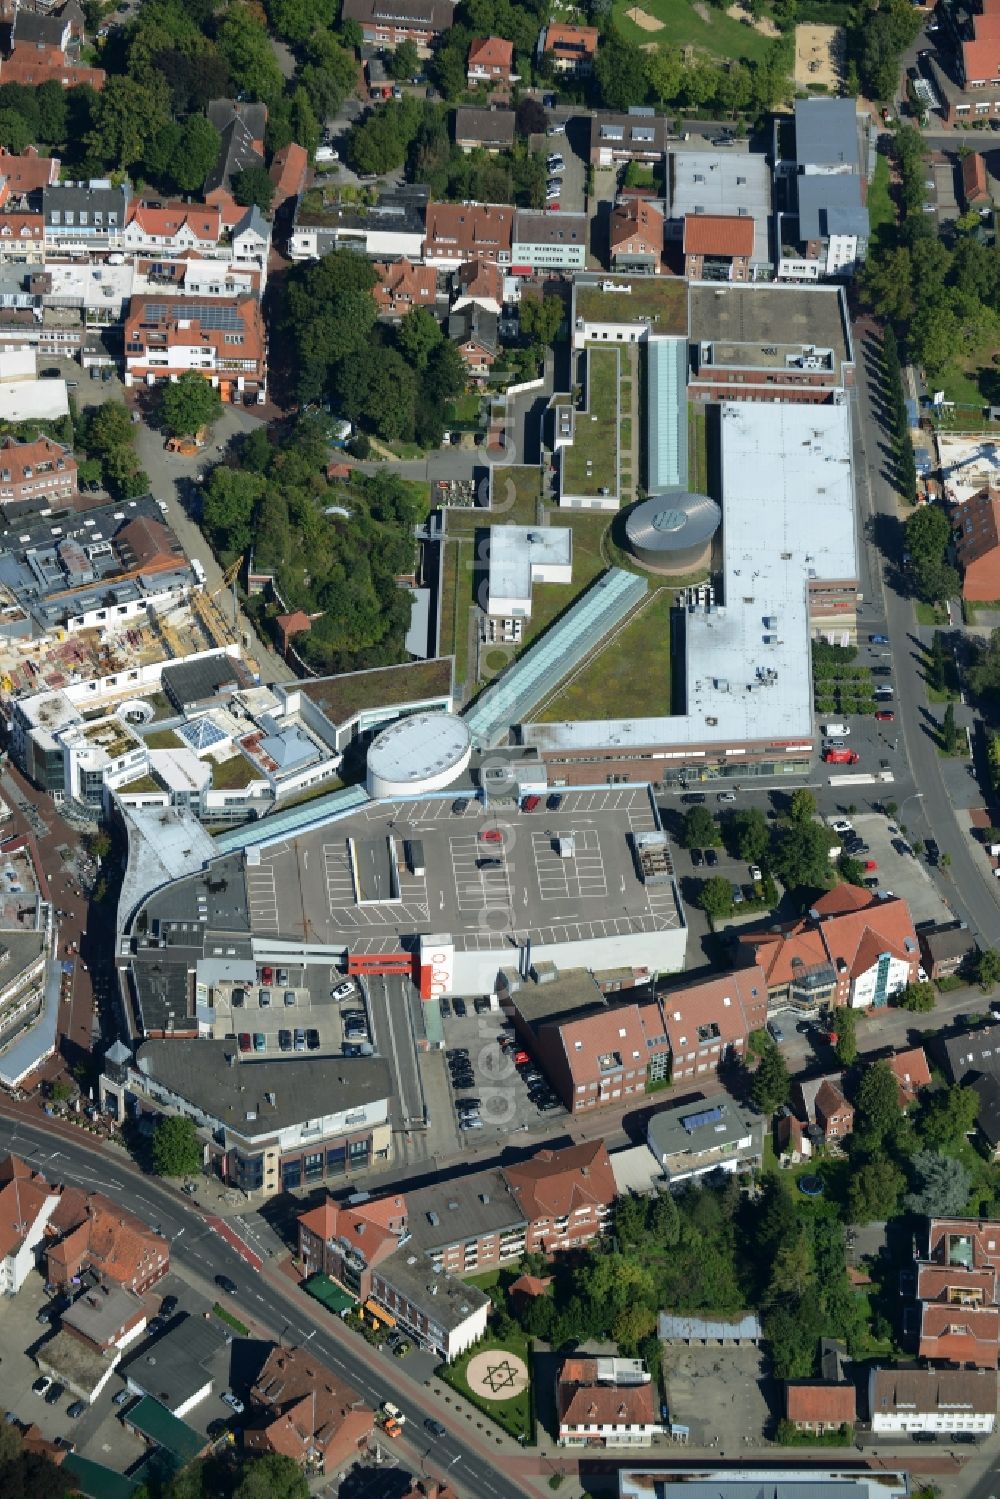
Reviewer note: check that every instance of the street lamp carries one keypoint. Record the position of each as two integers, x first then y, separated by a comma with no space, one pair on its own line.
913,796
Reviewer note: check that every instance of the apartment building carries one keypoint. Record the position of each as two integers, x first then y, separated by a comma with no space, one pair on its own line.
223,342
460,232
386,23
949,1402
489,130
401,286
27,1202
23,175
89,1231
168,229
956,1291
718,248
85,217
699,1139
41,472
302,1410
548,242
22,238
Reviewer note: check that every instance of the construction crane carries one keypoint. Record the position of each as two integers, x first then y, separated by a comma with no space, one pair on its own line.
229,577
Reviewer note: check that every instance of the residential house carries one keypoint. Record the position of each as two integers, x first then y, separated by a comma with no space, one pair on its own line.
479,281
973,1053
241,127
825,231
106,1317
386,23
489,130
699,1138
956,1288
27,1203
822,1103
84,217
638,136
89,1231
987,1089
975,183
491,61
22,238
289,169
606,1402
41,472
566,1196
977,545
401,286
946,948
571,48
718,248
948,1401
911,1072
45,48
301,1410
25,174
391,228
708,1024
223,342
475,334
62,29
166,229
544,242
459,232
816,1407
859,957
636,237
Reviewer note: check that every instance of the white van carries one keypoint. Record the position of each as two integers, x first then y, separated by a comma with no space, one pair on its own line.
835,730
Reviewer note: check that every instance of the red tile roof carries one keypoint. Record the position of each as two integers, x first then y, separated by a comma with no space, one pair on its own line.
306,1410
639,221
16,457
32,65
555,1182
962,1335
832,1404
911,1071
166,220
841,898
23,1196
28,172
720,1002
572,41
491,52
288,172
99,1233
606,1405
465,231
401,282
718,234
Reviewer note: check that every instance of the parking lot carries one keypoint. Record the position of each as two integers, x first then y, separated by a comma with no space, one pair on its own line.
573,147
290,1009
505,1104
902,874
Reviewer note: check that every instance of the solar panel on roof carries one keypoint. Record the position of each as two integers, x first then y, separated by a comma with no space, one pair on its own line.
220,315
691,1122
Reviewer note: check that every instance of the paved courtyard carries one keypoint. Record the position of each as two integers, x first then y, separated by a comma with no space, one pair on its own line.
722,1394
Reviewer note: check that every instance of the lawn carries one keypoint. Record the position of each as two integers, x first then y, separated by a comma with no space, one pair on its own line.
163,739
960,383
513,1416
881,209
465,409
550,599
516,493
595,437
633,667
686,24
697,449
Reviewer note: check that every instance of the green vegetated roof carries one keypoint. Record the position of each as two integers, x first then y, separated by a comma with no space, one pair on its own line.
155,1422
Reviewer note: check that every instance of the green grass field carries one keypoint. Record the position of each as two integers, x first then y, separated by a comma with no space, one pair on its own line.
634,667
881,209
514,1416
713,33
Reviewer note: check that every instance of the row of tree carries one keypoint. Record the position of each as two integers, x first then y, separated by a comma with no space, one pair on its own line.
897,418
928,537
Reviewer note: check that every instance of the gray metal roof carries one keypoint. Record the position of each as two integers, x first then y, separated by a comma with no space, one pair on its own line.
831,205
673,1329
176,1365
826,132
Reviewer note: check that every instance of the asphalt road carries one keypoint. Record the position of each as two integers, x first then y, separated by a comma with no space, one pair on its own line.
930,811
197,1251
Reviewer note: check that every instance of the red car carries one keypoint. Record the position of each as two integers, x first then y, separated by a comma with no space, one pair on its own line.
870,866
490,835
885,717
245,1042
520,1058
267,975
530,803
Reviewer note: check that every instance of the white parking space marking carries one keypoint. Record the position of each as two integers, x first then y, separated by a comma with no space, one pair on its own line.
262,899
575,878
478,889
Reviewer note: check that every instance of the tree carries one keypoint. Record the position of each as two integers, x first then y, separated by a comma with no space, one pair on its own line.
700,829
801,854
197,152
771,1082
531,118
927,533
918,997
541,318
229,500
189,403
404,63
99,844
751,834
852,870
296,20
418,336
988,969
937,663
716,898
878,1102
947,1116
941,1186
793,1330
128,114
664,73
15,133
620,71
949,731
253,186
177,1151
247,49
272,1477
874,1191
844,1024
802,807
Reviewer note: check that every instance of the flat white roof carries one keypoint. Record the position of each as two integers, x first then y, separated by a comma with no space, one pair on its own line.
787,519
34,400
419,746
722,182
515,553
95,284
